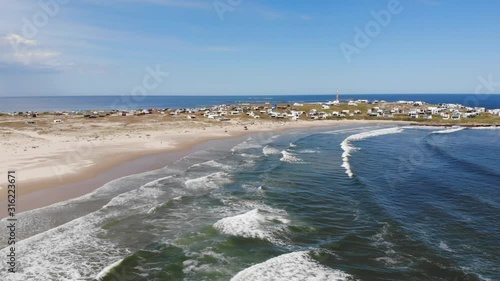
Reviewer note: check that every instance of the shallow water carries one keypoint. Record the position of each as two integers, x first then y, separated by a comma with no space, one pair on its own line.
343,203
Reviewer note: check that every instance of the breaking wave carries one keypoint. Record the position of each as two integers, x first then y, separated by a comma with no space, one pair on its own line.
348,148
257,224
289,157
296,266
267,150
448,131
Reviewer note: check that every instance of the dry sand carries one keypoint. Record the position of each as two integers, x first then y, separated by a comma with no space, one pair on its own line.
59,161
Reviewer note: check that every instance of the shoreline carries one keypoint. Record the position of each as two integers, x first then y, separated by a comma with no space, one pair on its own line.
117,162
478,125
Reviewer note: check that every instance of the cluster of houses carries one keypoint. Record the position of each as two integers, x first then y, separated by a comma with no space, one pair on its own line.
449,111
411,109
32,114
221,112
494,112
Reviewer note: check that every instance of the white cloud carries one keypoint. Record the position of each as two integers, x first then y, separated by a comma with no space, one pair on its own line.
22,54
19,40
35,56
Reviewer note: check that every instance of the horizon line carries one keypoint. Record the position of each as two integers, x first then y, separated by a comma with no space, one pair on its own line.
241,95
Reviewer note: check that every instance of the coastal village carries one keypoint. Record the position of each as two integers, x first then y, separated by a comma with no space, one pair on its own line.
352,109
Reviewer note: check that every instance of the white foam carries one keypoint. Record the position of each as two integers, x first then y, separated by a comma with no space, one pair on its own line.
189,266
211,181
448,131
156,183
267,150
422,127
213,163
445,247
292,144
106,270
485,128
297,266
74,250
71,251
143,194
198,262
348,148
305,151
245,145
257,223
249,155
345,130
289,157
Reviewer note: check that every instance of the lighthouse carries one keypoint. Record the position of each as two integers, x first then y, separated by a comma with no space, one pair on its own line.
335,102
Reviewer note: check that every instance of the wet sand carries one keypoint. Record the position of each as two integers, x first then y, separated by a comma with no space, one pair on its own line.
44,178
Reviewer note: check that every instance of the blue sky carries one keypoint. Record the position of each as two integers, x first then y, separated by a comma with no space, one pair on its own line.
243,47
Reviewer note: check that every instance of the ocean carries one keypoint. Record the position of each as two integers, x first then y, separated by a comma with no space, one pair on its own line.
73,103
361,202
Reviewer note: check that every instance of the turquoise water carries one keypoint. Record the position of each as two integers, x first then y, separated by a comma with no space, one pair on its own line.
340,203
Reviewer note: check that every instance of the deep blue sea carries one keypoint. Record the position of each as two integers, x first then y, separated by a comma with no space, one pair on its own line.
60,103
340,203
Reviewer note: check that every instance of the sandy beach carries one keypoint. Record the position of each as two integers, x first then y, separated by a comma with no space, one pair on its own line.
58,161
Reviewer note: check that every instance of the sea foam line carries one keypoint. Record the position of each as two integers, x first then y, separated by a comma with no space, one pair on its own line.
345,130
448,131
211,181
347,147
245,145
485,128
107,270
296,266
